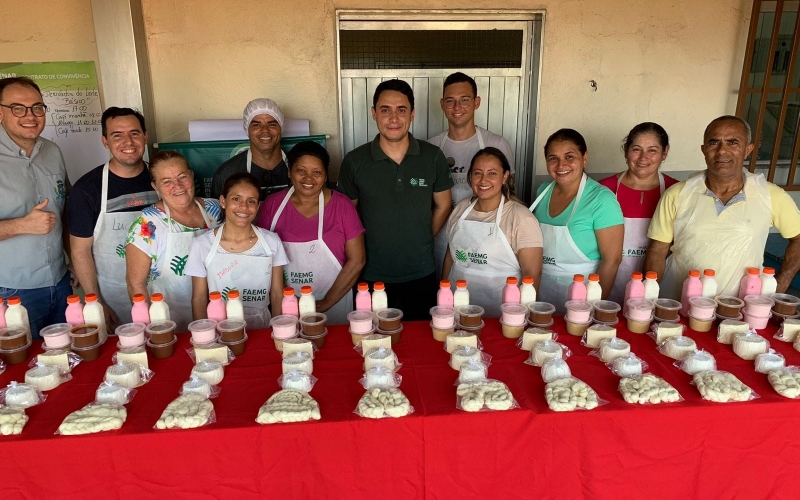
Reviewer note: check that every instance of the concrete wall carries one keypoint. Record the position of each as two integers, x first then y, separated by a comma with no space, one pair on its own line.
676,62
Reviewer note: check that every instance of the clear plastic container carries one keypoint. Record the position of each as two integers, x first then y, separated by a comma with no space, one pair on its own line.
702,307
513,314
578,311
470,315
667,309
443,317
785,303
605,311
541,313
389,319
758,305
231,330
130,334
361,321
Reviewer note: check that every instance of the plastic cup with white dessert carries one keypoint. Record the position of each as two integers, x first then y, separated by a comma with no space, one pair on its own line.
728,306
605,311
443,322
284,327
666,310
541,313
56,336
160,332
513,320
639,315
204,331
785,303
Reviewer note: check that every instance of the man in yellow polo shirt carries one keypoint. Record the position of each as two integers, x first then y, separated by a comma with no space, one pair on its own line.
720,218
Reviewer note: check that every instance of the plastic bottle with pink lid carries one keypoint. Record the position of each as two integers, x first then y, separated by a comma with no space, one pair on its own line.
363,298
216,307
140,312
634,289
692,287
769,285
2,313
709,282
74,312
511,291
651,286
750,283
577,289
289,305
444,297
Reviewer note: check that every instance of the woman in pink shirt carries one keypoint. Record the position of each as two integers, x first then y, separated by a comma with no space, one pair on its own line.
320,230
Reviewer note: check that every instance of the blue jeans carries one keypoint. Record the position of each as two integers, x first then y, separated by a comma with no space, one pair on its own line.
46,305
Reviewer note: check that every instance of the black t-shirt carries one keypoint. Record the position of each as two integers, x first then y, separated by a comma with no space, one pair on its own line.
124,195
271,181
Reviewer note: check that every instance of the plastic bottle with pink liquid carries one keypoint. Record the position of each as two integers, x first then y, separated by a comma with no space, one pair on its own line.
577,289
216,307
444,297
289,304
2,313
511,293
692,287
140,312
74,312
750,283
634,289
363,298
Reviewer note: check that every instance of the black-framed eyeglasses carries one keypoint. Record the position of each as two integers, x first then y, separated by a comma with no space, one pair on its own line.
20,111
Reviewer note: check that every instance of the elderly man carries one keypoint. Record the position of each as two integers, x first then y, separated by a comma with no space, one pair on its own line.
263,121
719,219
32,197
102,206
401,187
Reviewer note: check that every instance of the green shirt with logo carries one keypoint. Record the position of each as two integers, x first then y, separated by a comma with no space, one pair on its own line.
395,203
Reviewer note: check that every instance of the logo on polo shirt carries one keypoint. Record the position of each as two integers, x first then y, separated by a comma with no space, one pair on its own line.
418,182
60,190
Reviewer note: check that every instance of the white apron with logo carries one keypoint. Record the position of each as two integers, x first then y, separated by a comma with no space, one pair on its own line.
634,246
312,263
460,190
483,256
562,258
251,275
729,242
172,283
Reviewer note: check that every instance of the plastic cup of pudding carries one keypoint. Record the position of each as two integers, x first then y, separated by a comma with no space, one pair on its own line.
702,308
637,324
231,330
318,340
313,323
578,311
728,306
360,321
736,318
778,318
130,334
91,353
700,324
443,317
86,335
540,325
440,333
16,355
577,329
785,303
56,336
667,309
470,315
160,332
512,331
162,350
605,311
513,315
393,334
13,338
389,319
756,322
477,329
541,313
204,331
357,336
237,347
758,306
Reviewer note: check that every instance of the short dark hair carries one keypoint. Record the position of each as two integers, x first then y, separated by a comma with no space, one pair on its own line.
115,112
459,77
18,80
646,128
566,134
508,187
396,85
730,118
309,148
240,178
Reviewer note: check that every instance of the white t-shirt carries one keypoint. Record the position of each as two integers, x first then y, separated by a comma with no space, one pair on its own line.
201,246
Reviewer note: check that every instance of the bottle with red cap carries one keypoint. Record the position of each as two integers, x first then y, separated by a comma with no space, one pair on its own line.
444,297
461,295
234,309
140,312
750,283
511,291
709,282
594,291
379,298
577,289
692,287
74,312
17,316
363,298
527,292
289,304
307,303
769,285
634,289
651,286
159,310
93,314
216,307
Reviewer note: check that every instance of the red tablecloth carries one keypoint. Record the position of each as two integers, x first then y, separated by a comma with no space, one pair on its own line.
692,449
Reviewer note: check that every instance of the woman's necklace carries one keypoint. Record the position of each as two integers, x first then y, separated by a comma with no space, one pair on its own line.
233,244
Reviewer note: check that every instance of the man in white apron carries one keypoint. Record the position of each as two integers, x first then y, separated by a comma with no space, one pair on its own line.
634,245
720,218
461,141
486,274
102,206
316,263
562,259
263,122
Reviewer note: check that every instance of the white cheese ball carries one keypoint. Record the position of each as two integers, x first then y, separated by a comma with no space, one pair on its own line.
611,349
380,356
462,354
749,345
296,380
677,347
211,371
44,378
769,361
111,392
128,375
197,386
544,350
554,369
380,377
472,371
298,361
22,395
627,366
698,361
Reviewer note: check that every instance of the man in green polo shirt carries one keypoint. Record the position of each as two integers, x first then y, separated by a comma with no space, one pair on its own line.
401,187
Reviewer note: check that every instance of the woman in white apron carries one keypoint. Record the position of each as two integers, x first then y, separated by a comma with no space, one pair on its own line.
638,190
158,243
479,250
593,213
239,256
320,231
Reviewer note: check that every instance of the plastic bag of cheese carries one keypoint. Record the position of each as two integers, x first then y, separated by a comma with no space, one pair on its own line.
381,377
2,366
21,395
647,389
288,405
382,356
187,411
66,361
383,403
696,362
92,418
769,361
786,381
570,394
660,332
459,338
554,369
533,335
629,365
213,351
297,380
546,349
611,349
722,387
788,330
484,395
46,377
129,375
196,385
372,341
112,392
12,420
464,353
472,371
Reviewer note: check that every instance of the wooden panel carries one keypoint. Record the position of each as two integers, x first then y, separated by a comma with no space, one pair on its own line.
511,111
347,114
360,112
482,113
419,128
496,101
437,123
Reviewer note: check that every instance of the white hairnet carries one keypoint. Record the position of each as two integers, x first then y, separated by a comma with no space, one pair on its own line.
261,106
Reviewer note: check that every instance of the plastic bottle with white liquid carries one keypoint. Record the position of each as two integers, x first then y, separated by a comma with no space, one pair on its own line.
577,289
363,298
17,315
527,292
216,307
140,311
709,282
159,310
511,291
594,291
651,287
307,303
289,303
93,314
2,313
692,287
379,298
74,312
461,295
444,297
750,283
769,285
233,307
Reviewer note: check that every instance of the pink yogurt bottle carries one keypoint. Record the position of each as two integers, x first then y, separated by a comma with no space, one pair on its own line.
692,287
577,289
444,297
750,283
511,293
289,305
363,298
216,307
74,312
634,289
140,312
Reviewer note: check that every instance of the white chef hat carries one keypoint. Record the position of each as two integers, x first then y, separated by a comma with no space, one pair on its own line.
261,106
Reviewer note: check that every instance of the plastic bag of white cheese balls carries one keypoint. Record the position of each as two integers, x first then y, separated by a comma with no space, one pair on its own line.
187,411
288,405
384,403
92,418
786,381
647,389
569,394
722,387
12,420
486,395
